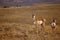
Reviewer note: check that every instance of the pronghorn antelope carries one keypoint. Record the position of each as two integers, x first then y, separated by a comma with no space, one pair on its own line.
53,24
38,21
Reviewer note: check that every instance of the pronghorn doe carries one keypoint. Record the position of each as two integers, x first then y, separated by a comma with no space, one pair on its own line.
38,21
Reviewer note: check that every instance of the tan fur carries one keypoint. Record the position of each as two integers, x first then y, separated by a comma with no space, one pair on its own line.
38,19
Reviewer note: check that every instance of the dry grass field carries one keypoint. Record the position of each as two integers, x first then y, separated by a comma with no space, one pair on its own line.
17,23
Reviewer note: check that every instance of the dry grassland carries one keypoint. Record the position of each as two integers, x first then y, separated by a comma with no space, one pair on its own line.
17,23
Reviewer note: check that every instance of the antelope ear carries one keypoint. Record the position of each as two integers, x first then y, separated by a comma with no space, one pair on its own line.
45,20
32,16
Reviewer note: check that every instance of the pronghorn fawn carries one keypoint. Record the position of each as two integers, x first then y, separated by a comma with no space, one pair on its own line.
53,24
38,21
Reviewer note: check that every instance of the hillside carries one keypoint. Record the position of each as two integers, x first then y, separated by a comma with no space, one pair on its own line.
27,2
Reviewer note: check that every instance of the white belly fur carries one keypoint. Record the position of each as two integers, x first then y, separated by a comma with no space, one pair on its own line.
38,22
